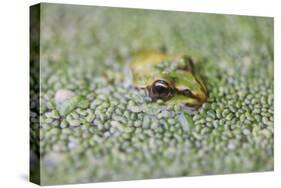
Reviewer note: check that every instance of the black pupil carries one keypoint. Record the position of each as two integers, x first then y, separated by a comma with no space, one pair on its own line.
161,87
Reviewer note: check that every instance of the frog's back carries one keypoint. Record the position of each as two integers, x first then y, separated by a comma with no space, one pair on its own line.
142,66
148,58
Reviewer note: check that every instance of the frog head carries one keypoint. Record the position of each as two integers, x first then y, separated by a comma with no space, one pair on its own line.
178,83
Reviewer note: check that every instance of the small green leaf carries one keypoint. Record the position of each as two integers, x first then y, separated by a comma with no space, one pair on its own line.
69,105
186,121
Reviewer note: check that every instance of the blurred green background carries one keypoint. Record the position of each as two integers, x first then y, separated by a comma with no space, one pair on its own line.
106,131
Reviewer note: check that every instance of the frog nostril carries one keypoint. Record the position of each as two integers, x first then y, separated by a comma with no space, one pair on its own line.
187,92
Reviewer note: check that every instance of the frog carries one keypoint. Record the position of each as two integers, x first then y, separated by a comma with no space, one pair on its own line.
169,77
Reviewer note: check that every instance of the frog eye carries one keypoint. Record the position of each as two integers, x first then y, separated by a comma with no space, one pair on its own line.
161,88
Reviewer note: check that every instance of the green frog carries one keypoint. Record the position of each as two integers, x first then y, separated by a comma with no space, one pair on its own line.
169,77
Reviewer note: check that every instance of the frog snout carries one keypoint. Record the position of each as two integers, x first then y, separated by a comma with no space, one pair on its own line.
201,97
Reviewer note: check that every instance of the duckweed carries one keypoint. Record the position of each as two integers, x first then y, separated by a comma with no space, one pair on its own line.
100,128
